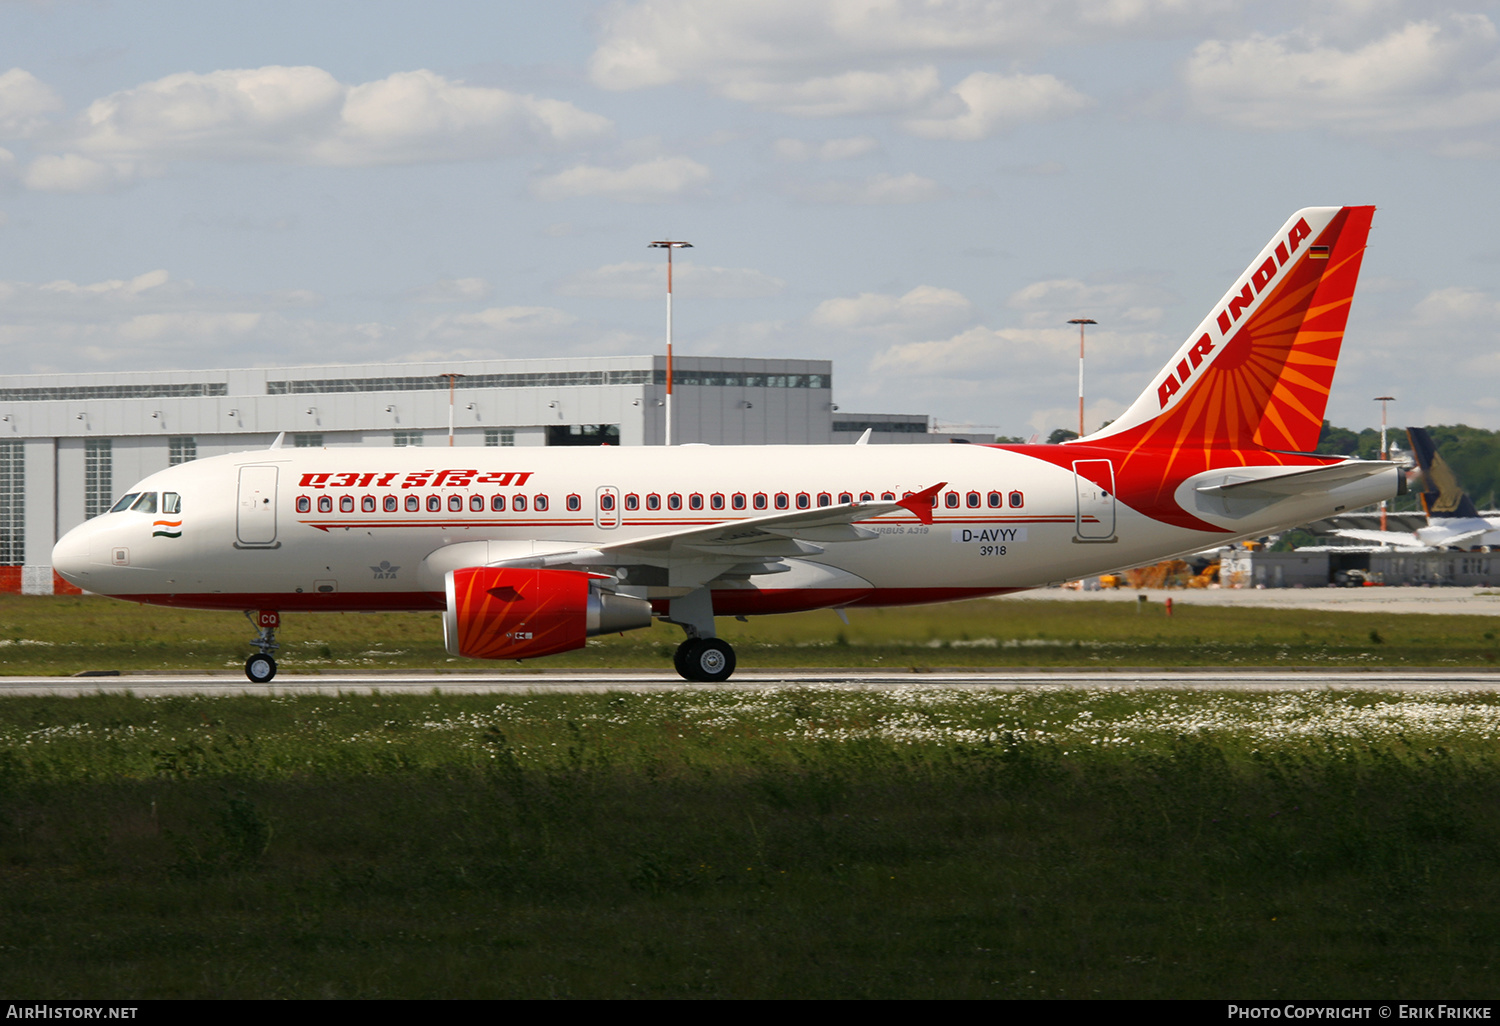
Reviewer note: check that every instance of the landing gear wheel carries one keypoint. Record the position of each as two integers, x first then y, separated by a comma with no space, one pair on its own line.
260,668
682,659
706,660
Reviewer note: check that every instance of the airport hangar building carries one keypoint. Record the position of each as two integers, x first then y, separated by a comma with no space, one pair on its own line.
70,442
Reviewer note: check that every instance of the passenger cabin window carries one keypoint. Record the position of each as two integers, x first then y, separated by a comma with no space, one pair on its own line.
367,504
695,501
866,496
760,500
574,504
125,501
653,501
390,503
146,503
325,504
951,500
845,498
887,496
1017,500
455,503
413,504
518,504
434,503
804,501
995,500
171,502
476,503
737,500
607,502
632,502
824,499
782,501
346,504
497,503
539,504
972,500
674,501
304,504
716,500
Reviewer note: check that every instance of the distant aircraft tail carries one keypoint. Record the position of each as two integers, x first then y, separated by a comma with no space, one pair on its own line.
1442,496
1256,373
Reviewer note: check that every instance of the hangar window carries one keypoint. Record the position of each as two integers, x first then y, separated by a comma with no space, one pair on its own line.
539,504
367,504
653,501
783,501
325,504
434,503
497,503
737,500
674,501
346,504
476,503
575,503
304,504
716,500
695,501
760,500
413,504
389,503
456,503
1017,500
518,504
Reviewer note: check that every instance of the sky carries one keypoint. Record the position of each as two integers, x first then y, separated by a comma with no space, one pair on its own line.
923,191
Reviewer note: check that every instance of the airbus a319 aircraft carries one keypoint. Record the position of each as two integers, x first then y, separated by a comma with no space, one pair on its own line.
528,552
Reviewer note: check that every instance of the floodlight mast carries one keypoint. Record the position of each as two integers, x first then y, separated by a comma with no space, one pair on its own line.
1080,321
1384,453
452,377
669,245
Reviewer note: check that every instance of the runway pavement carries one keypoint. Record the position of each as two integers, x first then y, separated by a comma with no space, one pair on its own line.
1436,601
157,685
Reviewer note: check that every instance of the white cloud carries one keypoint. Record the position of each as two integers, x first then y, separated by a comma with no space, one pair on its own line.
849,94
800,150
1437,78
875,190
643,280
501,322
452,290
984,104
1458,305
25,103
302,115
1045,303
68,172
923,310
651,181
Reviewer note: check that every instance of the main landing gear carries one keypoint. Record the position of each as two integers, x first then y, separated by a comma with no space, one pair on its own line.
704,660
260,667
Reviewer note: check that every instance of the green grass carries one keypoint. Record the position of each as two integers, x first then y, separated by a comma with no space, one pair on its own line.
799,842
69,635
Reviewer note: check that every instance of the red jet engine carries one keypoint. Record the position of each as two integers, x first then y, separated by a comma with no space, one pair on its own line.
506,613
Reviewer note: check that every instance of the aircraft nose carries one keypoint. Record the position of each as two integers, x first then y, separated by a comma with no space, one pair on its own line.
72,556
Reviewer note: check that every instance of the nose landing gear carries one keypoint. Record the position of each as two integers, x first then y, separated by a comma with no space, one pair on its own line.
261,667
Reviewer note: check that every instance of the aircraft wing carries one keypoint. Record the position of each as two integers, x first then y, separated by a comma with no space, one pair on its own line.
1400,539
755,545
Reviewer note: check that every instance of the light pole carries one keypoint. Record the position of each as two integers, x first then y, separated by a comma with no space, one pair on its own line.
1384,454
669,245
452,377
1080,321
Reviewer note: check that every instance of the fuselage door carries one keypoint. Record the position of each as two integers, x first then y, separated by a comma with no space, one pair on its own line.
1095,480
255,517
607,507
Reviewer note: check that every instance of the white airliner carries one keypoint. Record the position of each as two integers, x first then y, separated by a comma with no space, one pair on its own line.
527,552
1452,519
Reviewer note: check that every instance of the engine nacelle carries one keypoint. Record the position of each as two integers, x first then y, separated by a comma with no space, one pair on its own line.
505,613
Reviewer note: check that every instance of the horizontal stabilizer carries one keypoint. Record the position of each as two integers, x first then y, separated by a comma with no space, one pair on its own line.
1294,481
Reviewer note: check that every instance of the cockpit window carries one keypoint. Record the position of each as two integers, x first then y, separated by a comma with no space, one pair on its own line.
145,504
124,503
171,502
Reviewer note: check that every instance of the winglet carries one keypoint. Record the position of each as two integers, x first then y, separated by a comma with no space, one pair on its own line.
921,503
